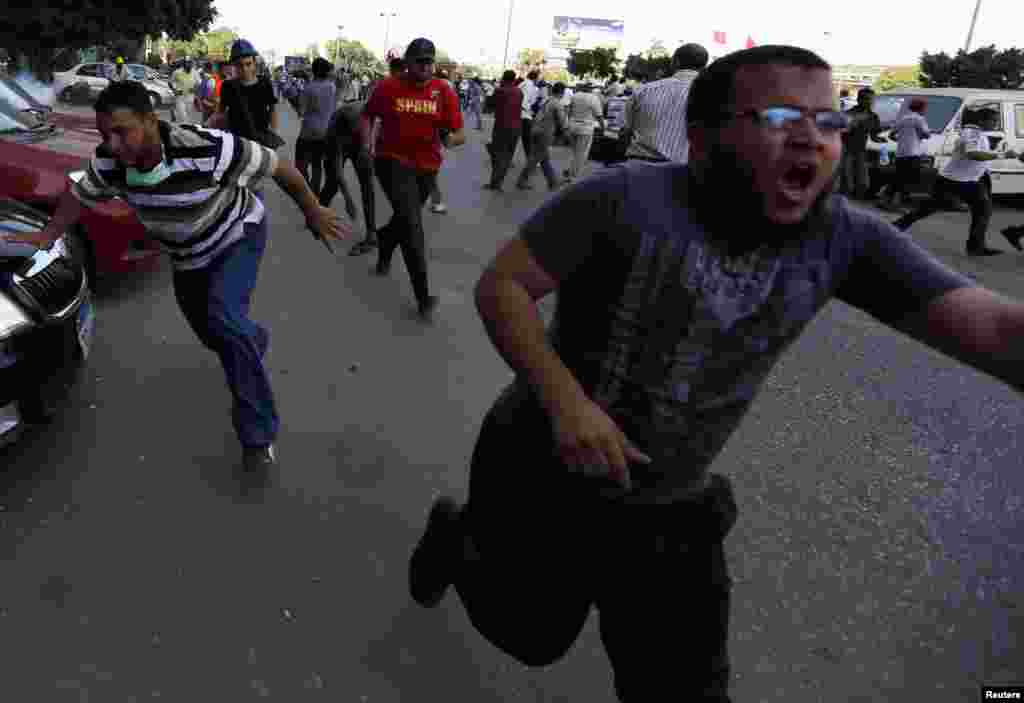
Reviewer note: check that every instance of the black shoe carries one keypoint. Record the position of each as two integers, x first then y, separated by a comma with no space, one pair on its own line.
435,558
428,306
983,251
1013,235
491,186
524,186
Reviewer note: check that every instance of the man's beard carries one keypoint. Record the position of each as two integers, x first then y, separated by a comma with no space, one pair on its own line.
731,208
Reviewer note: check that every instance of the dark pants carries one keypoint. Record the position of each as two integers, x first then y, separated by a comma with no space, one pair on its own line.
976,194
215,300
542,549
540,154
407,190
854,173
334,165
527,131
310,155
907,174
503,147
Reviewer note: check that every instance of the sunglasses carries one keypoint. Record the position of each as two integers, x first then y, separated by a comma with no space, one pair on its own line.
785,117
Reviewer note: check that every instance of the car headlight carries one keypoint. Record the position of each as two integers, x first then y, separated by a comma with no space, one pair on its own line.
76,176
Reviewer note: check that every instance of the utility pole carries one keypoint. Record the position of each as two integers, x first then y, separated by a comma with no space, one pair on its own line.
387,29
974,21
337,47
508,33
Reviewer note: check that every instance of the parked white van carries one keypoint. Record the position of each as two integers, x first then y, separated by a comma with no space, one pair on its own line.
943,114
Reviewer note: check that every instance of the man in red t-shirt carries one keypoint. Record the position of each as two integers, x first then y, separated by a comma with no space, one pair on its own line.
417,114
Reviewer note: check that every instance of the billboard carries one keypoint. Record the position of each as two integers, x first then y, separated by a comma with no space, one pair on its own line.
583,33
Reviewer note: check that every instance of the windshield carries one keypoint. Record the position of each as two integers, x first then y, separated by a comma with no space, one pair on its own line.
939,112
9,124
137,73
12,99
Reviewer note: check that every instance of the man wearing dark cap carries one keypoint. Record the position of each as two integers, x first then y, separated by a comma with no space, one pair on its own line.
418,113
654,126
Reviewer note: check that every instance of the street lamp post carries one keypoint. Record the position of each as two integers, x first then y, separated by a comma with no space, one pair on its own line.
508,33
337,47
387,29
970,32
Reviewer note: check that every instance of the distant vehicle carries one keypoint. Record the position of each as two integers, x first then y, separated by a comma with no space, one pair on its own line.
97,77
39,154
46,323
943,115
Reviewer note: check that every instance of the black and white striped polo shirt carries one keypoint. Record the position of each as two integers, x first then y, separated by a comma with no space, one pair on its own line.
199,210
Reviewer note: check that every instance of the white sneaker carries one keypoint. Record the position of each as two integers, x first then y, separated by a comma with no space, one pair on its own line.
439,208
255,458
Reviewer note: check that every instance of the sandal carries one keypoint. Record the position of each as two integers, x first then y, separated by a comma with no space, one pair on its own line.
363,247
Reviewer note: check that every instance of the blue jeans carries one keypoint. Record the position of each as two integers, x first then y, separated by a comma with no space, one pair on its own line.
215,300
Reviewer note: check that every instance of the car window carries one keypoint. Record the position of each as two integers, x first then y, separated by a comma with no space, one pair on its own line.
1018,113
938,113
137,73
9,124
89,70
995,107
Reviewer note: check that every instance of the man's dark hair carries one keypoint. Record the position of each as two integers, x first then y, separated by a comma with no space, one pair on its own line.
396,64
533,75
321,67
508,76
844,93
558,88
863,92
124,94
692,57
712,91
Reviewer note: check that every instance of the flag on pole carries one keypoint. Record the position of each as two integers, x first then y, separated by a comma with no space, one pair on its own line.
750,42
719,37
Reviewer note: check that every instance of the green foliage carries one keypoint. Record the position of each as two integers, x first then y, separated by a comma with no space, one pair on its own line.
898,77
352,56
646,68
599,62
982,68
38,30
214,45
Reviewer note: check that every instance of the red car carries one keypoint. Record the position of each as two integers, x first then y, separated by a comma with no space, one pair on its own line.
40,151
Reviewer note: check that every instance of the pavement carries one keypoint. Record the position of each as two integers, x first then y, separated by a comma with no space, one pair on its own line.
877,554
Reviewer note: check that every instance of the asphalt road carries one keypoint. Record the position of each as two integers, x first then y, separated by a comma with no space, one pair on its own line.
878,552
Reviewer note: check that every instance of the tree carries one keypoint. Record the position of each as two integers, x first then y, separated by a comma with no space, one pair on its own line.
530,59
657,50
984,67
599,62
898,77
641,68
37,31
352,56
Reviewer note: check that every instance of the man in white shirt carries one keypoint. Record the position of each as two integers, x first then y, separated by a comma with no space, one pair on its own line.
966,176
909,131
530,94
184,81
655,121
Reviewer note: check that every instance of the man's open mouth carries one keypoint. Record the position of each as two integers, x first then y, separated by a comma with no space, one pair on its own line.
797,180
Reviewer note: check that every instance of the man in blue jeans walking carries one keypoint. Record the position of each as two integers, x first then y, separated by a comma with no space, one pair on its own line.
193,190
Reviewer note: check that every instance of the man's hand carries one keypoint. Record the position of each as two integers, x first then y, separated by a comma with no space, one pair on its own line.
590,441
324,223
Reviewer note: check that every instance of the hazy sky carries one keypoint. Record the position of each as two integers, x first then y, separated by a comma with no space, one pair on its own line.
864,31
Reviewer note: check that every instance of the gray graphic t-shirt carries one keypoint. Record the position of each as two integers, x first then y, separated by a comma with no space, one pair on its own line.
671,334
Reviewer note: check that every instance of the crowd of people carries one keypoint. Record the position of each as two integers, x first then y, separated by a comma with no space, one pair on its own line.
672,310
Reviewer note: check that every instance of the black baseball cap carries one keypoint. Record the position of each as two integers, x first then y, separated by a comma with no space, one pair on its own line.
420,49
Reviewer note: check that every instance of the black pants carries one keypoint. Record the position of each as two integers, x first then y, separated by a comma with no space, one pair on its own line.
309,156
908,173
334,168
503,147
976,194
542,549
407,190
527,131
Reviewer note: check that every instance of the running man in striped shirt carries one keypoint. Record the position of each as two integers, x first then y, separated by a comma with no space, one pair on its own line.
192,189
654,127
